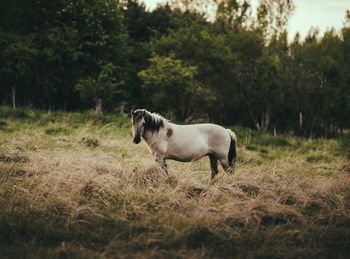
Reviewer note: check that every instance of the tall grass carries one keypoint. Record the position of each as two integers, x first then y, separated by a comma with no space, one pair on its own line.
74,185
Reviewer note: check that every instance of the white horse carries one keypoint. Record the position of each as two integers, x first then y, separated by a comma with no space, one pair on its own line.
184,143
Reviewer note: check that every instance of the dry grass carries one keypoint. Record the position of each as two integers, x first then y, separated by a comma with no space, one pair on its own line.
86,191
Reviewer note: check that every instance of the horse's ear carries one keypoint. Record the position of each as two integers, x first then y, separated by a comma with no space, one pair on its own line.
132,111
143,112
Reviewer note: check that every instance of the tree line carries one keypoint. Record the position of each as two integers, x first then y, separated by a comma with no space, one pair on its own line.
237,68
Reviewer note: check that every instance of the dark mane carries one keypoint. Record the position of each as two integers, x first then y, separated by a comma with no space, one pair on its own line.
153,121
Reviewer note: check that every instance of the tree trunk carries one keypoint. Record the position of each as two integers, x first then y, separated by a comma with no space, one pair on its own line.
98,105
341,133
14,97
265,121
251,113
14,87
300,121
257,125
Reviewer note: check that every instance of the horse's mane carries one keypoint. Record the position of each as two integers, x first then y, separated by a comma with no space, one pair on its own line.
153,121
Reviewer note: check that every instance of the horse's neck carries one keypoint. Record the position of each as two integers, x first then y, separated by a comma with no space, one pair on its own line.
154,137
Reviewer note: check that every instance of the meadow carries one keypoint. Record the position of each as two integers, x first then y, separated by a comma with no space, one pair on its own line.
73,185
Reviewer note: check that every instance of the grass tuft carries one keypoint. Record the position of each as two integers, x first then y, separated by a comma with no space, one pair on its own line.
90,142
14,158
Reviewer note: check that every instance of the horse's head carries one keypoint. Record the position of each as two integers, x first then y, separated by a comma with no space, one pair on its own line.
137,124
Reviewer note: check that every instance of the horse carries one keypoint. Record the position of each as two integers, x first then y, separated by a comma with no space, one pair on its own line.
184,143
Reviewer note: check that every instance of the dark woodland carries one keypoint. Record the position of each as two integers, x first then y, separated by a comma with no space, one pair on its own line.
235,69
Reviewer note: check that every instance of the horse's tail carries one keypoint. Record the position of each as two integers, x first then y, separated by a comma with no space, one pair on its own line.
232,153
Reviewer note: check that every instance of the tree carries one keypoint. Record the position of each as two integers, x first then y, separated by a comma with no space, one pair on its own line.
170,85
18,56
105,88
273,16
233,14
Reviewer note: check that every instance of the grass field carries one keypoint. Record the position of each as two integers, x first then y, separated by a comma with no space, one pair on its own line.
75,186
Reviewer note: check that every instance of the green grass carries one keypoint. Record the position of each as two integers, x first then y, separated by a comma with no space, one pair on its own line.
73,185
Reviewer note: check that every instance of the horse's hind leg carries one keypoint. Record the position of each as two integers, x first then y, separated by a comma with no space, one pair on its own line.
213,165
226,165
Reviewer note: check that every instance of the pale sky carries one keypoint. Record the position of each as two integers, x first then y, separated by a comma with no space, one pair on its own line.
323,14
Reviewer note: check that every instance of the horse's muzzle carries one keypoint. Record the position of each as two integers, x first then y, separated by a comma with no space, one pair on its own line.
136,140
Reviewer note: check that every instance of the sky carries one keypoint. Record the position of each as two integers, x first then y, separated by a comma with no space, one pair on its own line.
323,14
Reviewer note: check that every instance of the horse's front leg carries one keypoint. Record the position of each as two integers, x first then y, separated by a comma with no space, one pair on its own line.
163,165
160,160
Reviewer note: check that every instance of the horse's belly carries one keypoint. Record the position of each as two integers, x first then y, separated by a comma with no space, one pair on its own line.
187,154
180,159
188,158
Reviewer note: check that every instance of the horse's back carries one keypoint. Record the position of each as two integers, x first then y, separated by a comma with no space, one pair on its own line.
206,130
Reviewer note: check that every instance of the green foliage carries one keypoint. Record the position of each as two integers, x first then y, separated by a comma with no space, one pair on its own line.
169,84
214,68
63,43
105,87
